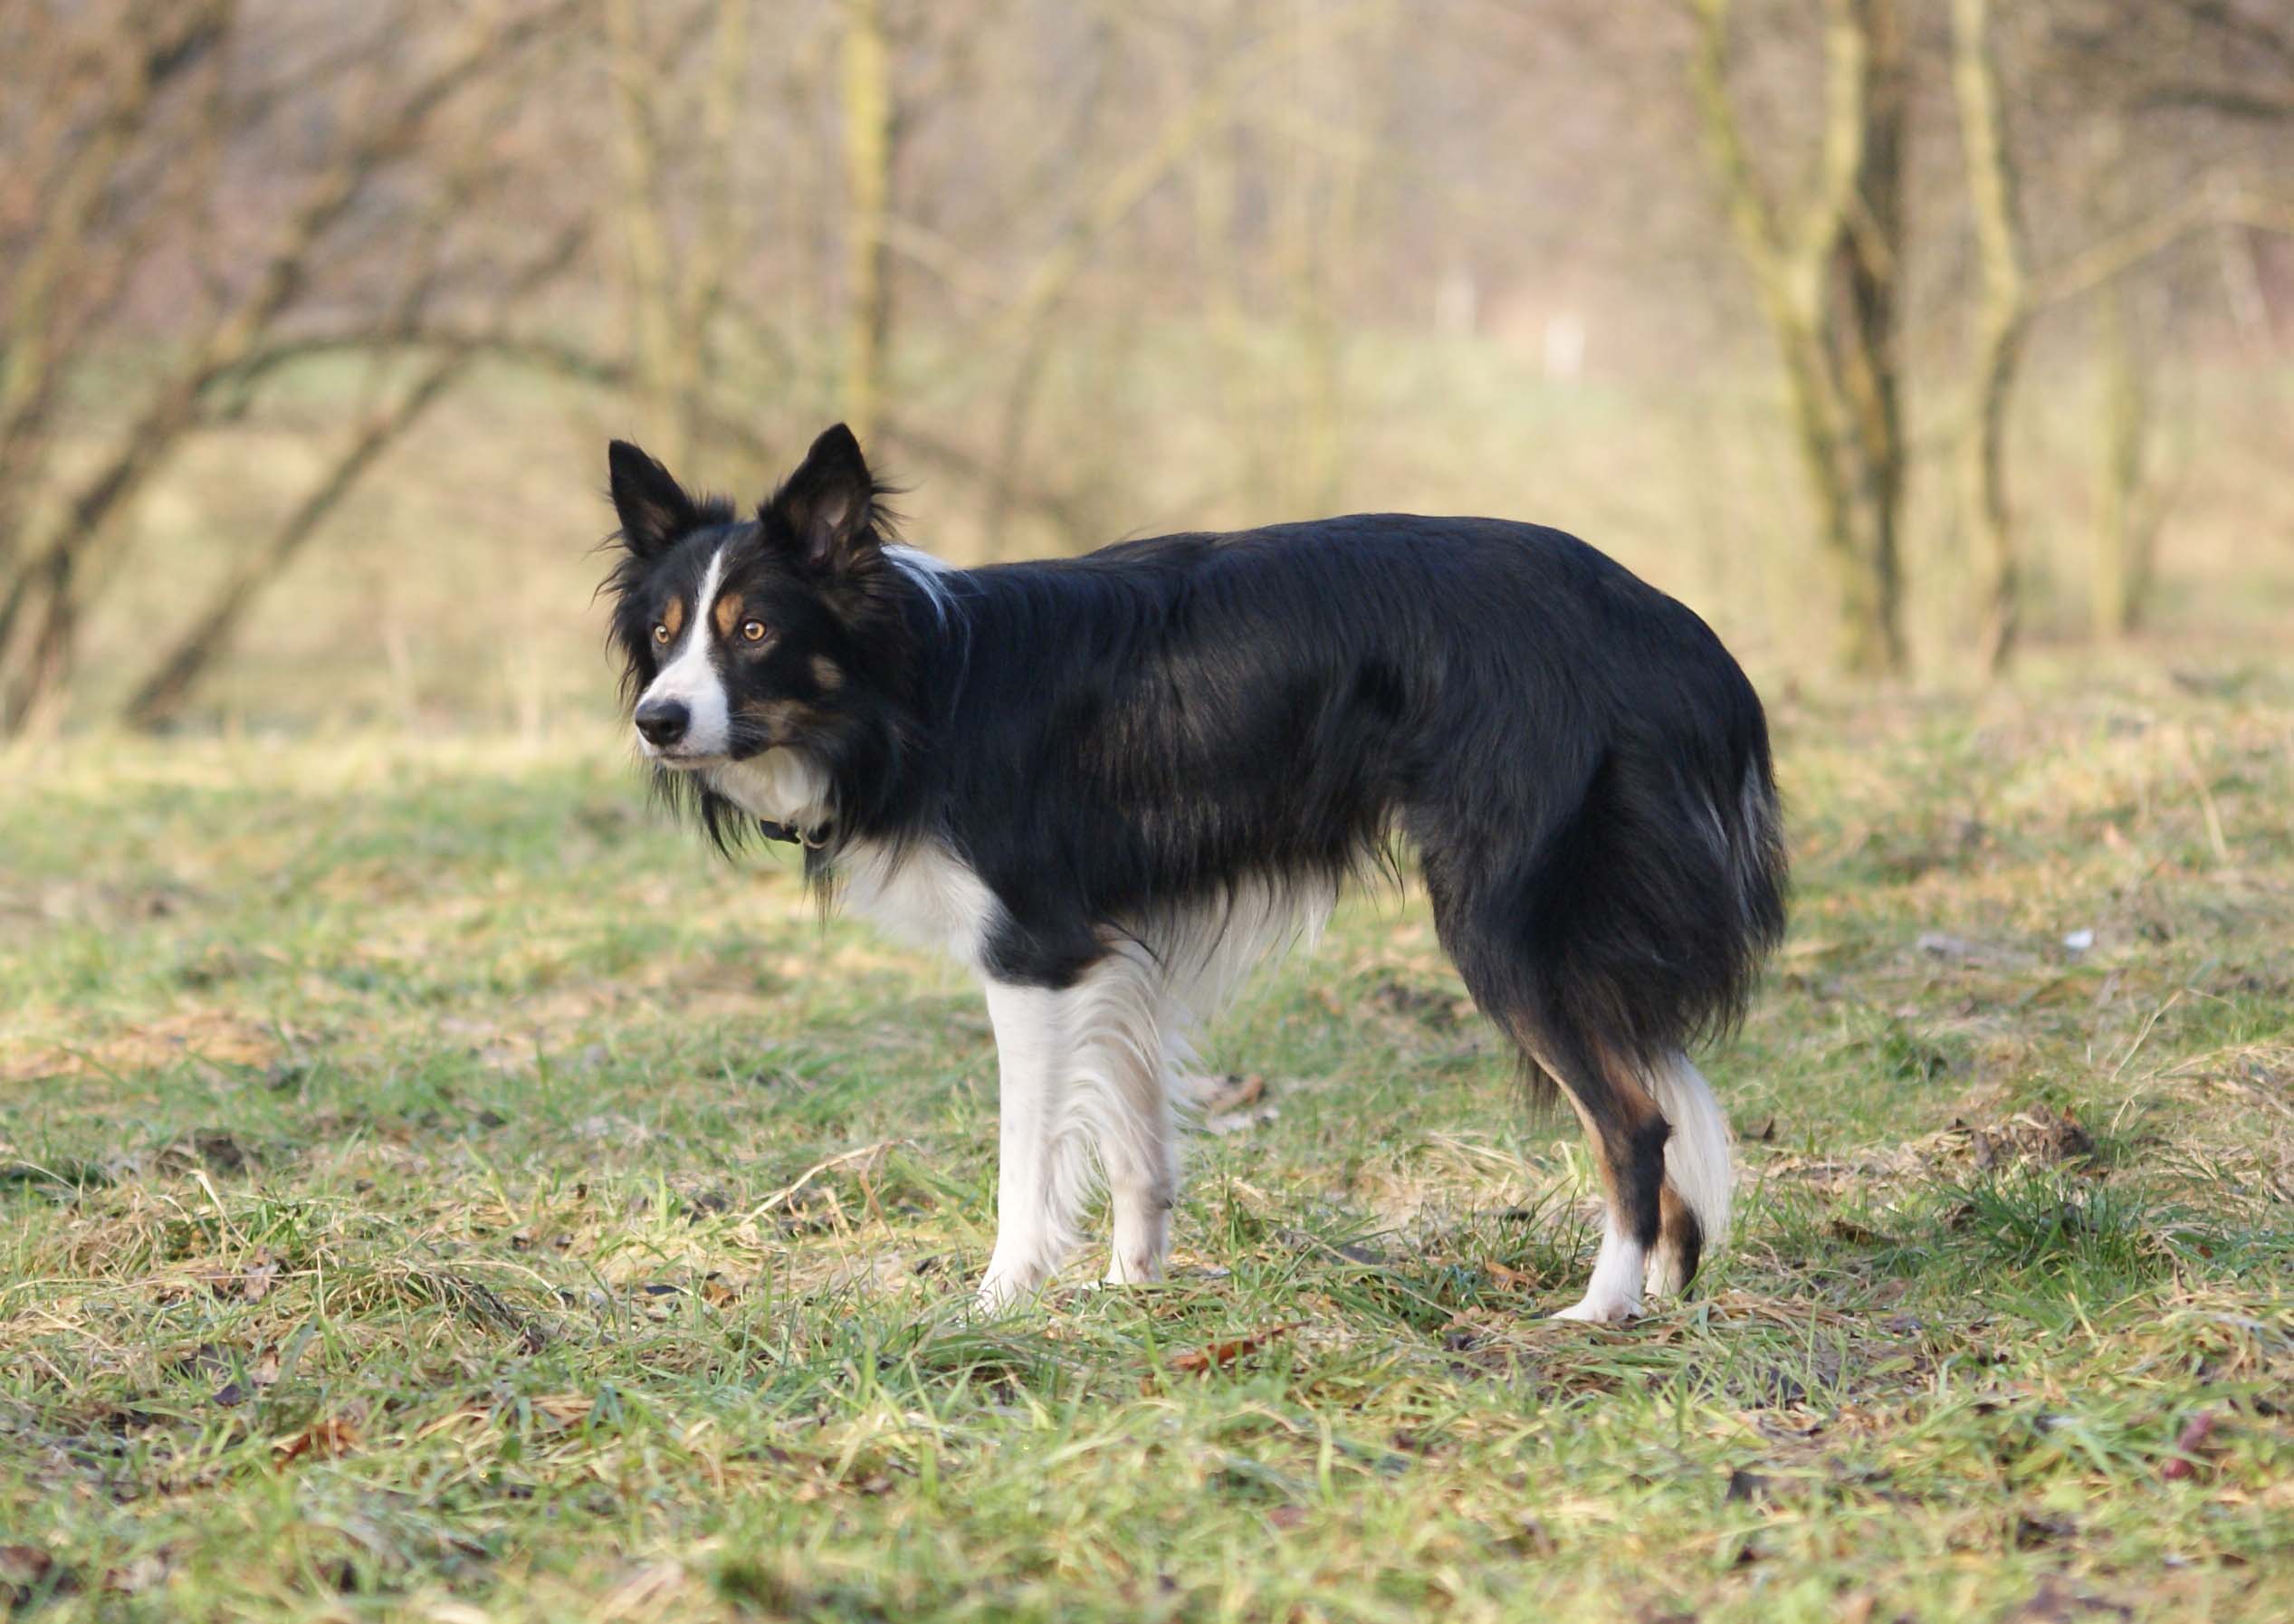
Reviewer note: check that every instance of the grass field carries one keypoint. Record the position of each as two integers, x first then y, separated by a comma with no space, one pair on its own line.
433,1189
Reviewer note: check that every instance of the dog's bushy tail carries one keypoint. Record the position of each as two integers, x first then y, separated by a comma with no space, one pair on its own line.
1651,909
1698,1165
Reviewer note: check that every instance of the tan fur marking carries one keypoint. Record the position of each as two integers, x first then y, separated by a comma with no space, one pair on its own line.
1674,1210
783,717
673,618
826,675
1636,1107
727,613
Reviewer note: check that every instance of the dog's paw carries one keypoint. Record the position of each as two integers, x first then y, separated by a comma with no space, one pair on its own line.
1003,1290
1133,1271
1602,1311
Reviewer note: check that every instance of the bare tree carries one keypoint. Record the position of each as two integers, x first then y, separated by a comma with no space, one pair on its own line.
70,257
2132,497
870,132
1828,270
2002,321
161,696
46,565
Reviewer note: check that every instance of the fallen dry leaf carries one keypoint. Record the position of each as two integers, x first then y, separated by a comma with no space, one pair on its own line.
563,1409
142,1574
1216,1095
2189,1443
24,1565
1840,1226
321,1440
1216,1355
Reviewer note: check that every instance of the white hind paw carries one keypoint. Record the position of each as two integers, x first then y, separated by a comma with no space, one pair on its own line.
1614,1292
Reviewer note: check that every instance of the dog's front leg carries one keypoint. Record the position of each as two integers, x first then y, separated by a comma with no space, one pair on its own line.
1038,1189
1139,1150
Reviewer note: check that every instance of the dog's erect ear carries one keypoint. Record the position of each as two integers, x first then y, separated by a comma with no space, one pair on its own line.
654,509
829,504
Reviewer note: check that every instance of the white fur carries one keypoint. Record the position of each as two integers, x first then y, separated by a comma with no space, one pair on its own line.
1697,1164
1082,1072
1092,1083
931,575
782,785
1208,951
922,893
1614,1292
690,675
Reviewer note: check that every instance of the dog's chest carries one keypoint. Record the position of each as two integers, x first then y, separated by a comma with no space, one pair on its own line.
922,893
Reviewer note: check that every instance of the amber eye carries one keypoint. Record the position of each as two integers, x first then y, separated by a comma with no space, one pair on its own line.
753,631
661,635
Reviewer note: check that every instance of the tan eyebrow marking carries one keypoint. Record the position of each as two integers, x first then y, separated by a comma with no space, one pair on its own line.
728,613
673,618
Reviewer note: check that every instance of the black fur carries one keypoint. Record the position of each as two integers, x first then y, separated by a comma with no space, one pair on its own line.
1580,767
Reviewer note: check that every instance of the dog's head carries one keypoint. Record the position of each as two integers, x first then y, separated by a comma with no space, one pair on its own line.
779,633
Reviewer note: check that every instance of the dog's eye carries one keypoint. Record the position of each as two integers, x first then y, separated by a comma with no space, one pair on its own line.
753,631
661,635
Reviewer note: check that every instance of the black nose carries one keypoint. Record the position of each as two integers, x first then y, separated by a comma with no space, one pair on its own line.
663,721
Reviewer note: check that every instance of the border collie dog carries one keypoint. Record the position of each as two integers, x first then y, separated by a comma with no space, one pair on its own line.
1110,784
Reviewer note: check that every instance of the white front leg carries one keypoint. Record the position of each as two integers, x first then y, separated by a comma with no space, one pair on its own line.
1142,1229
1037,1193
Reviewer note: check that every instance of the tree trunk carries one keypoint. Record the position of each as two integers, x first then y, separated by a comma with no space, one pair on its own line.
1868,264
2002,323
1828,274
720,217
2125,564
869,118
644,232
40,604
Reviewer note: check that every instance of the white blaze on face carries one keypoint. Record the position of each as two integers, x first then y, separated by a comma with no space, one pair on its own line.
691,677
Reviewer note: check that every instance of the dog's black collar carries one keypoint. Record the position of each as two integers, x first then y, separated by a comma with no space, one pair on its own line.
811,839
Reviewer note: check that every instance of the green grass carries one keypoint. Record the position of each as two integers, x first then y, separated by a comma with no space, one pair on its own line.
431,1188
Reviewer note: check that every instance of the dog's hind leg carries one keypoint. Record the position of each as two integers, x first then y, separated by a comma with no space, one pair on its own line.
1628,1133
1620,1116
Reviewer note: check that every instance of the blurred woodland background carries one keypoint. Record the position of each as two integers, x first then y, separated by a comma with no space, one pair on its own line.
1897,336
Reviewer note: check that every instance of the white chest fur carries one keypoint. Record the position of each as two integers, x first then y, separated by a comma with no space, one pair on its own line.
780,785
922,893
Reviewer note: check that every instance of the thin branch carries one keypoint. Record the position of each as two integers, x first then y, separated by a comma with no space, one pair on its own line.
163,695
34,662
